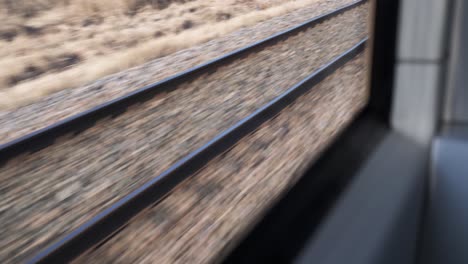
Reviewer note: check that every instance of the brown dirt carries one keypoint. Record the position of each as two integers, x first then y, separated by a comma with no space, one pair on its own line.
108,39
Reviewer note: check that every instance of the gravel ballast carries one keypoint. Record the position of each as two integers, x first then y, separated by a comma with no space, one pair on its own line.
50,109
45,194
207,214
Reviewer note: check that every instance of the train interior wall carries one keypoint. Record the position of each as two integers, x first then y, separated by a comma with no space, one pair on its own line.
445,232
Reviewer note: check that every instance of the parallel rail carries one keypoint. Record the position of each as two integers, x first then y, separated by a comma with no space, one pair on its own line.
114,218
46,136
111,220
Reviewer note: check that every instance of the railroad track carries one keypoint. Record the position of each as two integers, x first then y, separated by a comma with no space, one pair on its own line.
115,216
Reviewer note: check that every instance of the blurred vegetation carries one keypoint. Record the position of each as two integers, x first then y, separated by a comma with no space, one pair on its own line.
29,8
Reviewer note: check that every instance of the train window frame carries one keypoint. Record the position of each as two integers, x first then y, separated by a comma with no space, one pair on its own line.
313,220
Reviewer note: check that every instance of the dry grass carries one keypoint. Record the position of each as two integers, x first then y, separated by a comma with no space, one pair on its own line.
101,60
29,8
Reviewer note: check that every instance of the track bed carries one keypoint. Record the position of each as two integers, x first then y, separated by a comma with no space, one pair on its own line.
48,193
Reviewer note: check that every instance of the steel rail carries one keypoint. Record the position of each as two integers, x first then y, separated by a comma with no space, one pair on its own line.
114,218
77,123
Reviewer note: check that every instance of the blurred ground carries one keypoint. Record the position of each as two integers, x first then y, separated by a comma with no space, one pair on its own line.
49,45
47,193
43,110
